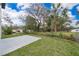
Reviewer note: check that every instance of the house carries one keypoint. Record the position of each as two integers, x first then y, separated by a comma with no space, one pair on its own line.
75,30
17,30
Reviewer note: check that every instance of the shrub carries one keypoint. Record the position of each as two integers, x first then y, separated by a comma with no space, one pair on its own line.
7,30
76,37
68,36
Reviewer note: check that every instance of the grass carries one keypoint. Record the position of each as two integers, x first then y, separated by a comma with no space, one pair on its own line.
48,46
12,35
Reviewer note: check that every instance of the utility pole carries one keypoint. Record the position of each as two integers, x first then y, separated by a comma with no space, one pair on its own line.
0,20
2,5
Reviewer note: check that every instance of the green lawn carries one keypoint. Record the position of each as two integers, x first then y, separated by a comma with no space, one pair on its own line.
48,46
11,35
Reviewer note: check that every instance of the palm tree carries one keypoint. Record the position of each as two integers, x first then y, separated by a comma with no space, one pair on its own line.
58,19
54,22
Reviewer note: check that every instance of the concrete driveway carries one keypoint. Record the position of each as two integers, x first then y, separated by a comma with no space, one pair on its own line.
10,44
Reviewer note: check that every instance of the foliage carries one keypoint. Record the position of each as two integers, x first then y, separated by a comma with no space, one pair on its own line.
31,23
59,18
40,13
43,19
11,35
7,30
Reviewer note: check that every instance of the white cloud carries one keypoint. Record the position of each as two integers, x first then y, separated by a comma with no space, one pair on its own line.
78,8
23,5
22,13
68,5
72,18
70,15
10,12
13,14
74,23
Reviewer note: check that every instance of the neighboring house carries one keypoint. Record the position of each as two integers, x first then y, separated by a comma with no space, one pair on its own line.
75,30
17,30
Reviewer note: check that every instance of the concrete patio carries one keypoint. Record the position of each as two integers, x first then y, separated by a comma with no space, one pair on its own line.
10,44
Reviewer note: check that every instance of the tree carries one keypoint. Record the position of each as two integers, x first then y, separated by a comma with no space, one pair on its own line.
59,17
55,22
40,13
6,18
31,23
6,28
48,22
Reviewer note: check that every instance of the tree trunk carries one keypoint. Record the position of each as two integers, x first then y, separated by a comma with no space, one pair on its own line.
38,27
55,29
51,26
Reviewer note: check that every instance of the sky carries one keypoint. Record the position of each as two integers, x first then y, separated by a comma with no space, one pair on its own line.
73,10
15,9
14,6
